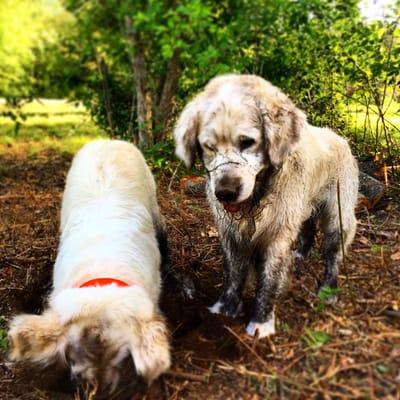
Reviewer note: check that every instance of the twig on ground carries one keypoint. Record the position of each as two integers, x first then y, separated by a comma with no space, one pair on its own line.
232,332
187,376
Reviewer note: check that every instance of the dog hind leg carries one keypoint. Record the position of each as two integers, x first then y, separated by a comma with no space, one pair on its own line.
305,242
332,246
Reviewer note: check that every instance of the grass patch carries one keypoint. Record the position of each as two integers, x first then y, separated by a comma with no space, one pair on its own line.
3,340
324,296
48,106
3,335
366,125
316,339
378,249
49,124
66,145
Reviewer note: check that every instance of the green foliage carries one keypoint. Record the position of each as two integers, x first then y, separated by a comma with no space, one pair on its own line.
14,112
56,125
321,52
315,339
382,368
26,27
3,335
324,297
159,158
100,40
284,326
3,340
378,249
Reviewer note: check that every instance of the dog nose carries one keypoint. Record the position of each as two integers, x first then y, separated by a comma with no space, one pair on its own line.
227,195
228,190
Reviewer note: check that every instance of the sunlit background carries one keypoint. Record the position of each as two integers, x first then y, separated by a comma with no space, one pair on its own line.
337,59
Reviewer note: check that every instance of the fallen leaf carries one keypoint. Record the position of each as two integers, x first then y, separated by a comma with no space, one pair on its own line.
395,256
364,240
212,232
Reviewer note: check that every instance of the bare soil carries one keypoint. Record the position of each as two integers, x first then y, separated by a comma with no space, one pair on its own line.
212,356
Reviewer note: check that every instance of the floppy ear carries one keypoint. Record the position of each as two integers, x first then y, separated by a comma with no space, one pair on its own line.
283,128
35,337
151,355
186,131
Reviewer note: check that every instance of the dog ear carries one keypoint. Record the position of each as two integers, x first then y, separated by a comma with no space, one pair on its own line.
35,338
186,131
152,355
283,127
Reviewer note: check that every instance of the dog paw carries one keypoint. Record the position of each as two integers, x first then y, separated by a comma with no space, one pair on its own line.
216,308
297,255
188,288
264,328
226,309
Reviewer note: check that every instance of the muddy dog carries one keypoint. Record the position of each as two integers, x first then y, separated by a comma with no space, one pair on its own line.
271,176
103,309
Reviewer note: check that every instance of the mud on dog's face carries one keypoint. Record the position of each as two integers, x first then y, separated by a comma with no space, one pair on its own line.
232,147
239,126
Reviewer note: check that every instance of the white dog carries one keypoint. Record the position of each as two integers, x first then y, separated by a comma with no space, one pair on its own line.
103,309
271,176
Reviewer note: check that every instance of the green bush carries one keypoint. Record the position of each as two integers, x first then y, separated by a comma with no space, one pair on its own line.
321,52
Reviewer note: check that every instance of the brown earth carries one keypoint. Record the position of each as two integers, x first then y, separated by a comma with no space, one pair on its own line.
212,356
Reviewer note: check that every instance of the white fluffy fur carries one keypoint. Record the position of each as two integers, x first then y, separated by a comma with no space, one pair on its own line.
108,229
107,219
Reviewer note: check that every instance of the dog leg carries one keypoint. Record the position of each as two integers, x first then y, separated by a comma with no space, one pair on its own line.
272,274
236,266
332,249
305,242
181,283
162,241
332,256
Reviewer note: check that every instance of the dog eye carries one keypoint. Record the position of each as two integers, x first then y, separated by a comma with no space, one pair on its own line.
209,146
245,143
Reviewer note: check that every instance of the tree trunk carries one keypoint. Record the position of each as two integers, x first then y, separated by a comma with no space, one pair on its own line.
102,67
132,117
169,86
143,95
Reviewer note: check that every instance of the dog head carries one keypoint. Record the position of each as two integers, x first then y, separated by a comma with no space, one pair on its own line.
240,126
100,343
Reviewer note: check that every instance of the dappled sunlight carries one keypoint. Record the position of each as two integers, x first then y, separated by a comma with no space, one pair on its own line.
48,124
48,106
66,145
360,117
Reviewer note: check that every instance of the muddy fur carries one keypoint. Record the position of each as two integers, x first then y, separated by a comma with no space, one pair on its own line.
271,177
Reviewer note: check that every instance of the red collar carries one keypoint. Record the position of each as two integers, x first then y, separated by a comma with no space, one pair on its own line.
98,282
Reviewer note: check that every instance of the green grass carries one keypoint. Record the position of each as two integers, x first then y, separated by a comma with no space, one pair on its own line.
3,340
50,124
357,118
48,106
3,335
315,339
